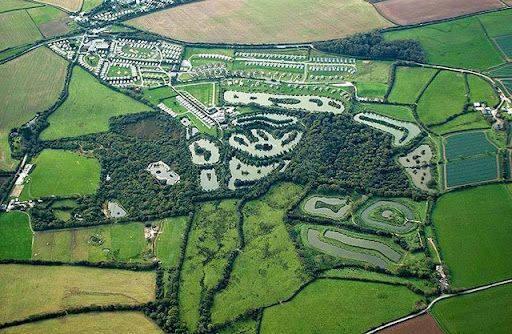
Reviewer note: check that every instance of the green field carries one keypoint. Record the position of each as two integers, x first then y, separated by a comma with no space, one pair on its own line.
409,82
497,23
51,21
8,5
17,28
105,322
481,91
371,89
475,235
268,269
87,5
15,236
467,144
61,287
62,173
207,93
467,121
448,43
443,98
110,243
402,113
88,108
487,311
157,95
22,77
213,236
167,245
339,306
119,71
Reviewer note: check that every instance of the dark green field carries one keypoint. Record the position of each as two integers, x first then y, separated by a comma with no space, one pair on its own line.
15,236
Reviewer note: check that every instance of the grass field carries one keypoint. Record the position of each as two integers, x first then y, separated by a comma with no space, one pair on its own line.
15,236
167,246
481,91
51,21
371,89
409,82
444,97
105,322
71,5
268,269
62,173
119,243
339,306
486,311
61,287
8,5
88,5
27,76
402,113
213,236
467,121
17,28
262,21
88,108
448,43
498,23
207,93
475,235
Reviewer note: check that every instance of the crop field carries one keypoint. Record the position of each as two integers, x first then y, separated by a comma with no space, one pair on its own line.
212,238
259,278
262,21
15,236
17,28
447,43
487,311
168,242
62,173
115,243
502,71
422,324
22,77
467,121
104,322
409,82
466,144
339,306
8,5
508,85
88,108
89,286
443,98
471,171
401,113
497,23
505,44
474,233
71,5
398,11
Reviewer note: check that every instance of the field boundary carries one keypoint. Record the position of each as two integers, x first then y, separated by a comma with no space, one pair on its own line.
442,297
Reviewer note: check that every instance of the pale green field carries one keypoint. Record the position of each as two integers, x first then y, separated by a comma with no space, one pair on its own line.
27,289
62,173
22,77
17,28
169,240
105,323
88,108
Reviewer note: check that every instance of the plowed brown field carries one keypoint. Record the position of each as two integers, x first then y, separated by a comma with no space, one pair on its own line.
263,21
424,324
405,12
